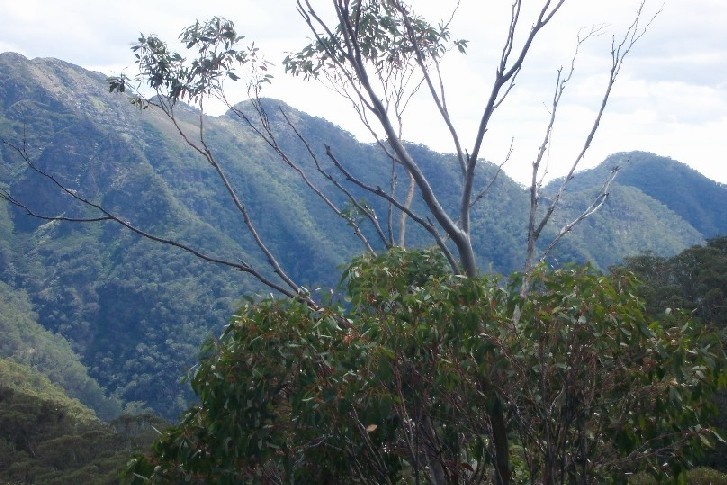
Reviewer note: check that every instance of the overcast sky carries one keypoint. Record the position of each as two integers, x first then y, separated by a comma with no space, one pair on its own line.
671,98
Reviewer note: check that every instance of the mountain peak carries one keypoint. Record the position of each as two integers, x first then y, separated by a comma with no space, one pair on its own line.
676,185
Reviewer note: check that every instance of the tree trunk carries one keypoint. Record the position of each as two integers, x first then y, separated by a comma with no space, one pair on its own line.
500,440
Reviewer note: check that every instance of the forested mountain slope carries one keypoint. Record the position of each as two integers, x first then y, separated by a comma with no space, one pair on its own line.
47,437
28,343
697,199
136,311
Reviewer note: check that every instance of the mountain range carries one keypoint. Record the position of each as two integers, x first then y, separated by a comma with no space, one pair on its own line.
134,312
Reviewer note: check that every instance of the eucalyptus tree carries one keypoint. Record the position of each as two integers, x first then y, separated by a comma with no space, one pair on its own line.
405,388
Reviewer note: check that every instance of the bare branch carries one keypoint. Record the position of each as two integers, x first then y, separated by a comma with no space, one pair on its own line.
486,189
619,53
507,74
205,151
265,132
368,212
108,216
351,52
595,205
437,95
427,225
503,76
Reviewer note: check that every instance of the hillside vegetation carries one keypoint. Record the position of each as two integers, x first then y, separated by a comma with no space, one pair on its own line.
47,437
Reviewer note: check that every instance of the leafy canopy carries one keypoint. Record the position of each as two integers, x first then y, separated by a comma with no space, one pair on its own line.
216,42
402,383
386,35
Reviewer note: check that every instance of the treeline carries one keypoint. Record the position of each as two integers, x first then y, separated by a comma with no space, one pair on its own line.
694,280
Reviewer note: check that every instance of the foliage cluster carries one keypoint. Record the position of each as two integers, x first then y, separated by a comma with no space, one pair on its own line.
216,61
694,281
387,40
403,383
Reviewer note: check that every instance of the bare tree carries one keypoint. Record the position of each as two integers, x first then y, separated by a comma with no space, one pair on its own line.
377,55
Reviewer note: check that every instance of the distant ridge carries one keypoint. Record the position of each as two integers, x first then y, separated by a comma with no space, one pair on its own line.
692,196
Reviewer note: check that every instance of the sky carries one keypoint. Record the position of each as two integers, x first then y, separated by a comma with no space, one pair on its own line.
670,99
